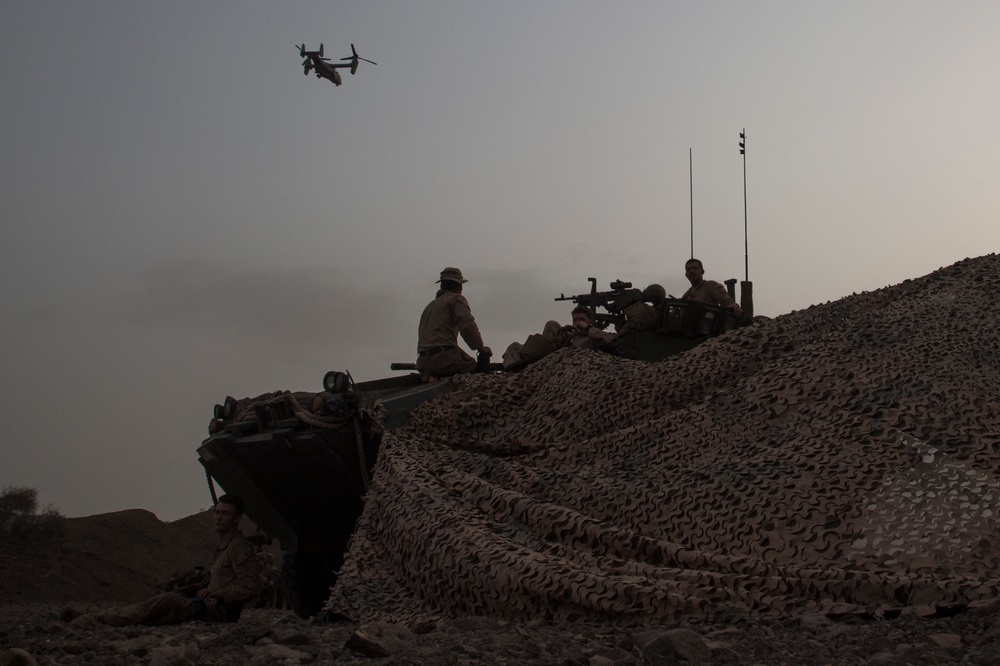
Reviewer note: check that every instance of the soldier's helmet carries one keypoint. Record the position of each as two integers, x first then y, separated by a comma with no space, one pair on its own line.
654,294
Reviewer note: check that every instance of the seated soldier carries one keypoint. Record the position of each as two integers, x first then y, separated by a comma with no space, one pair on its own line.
235,579
581,334
441,322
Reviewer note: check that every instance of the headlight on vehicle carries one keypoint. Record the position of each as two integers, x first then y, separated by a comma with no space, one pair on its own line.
336,382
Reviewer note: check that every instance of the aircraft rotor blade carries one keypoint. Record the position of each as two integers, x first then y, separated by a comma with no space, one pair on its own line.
356,57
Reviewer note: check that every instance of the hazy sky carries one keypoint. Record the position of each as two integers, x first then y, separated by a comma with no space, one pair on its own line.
186,216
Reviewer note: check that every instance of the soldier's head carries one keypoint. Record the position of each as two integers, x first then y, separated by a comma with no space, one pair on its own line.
452,280
581,318
694,271
228,511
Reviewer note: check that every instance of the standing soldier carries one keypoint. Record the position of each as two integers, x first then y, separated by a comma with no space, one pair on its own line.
443,319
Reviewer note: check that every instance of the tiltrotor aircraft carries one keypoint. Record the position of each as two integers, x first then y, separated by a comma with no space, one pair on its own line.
315,62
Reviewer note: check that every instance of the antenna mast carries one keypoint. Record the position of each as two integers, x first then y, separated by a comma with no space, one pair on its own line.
746,289
691,187
746,250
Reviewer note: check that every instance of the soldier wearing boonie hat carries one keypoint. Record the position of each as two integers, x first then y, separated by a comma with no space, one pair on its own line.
441,322
452,275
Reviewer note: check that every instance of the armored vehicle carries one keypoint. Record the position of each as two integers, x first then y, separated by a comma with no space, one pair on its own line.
303,461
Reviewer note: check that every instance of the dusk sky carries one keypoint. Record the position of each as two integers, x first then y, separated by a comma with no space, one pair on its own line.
186,216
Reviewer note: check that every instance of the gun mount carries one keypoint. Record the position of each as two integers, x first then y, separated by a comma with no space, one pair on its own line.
651,326
614,302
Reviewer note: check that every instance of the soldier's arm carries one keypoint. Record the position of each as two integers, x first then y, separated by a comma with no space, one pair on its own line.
467,324
720,294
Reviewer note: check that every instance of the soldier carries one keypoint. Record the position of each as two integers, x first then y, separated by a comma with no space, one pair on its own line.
444,318
707,291
581,333
234,580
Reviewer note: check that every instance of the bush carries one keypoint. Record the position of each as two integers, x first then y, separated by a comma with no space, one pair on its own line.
20,515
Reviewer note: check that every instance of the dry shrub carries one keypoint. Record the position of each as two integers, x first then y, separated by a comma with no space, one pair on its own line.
21,519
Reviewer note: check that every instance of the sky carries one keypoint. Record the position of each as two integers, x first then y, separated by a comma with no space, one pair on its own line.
185,216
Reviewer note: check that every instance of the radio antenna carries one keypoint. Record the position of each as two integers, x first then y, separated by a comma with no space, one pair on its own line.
746,247
691,187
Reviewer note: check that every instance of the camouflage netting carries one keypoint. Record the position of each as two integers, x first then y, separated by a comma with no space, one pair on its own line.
839,459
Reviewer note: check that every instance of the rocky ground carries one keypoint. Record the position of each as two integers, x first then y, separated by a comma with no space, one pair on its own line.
70,634
51,588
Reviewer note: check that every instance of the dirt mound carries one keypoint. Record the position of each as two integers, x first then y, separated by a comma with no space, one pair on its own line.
121,556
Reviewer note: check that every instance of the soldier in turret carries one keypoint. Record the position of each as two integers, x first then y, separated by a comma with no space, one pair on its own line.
442,321
581,334
707,291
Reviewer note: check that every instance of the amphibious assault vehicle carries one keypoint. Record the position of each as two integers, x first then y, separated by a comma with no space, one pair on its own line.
303,461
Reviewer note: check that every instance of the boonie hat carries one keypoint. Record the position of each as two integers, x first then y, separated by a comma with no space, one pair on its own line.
452,274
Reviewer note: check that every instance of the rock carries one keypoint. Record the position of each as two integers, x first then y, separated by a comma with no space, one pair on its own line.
291,636
677,645
17,657
55,627
279,654
425,627
169,655
945,640
232,634
818,624
476,623
380,639
325,655
86,622
814,622
925,654
139,646
334,638
68,614
613,657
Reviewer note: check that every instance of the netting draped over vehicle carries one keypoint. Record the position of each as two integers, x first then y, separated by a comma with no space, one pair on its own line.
838,459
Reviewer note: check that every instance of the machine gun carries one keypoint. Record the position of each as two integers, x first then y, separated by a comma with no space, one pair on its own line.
614,302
